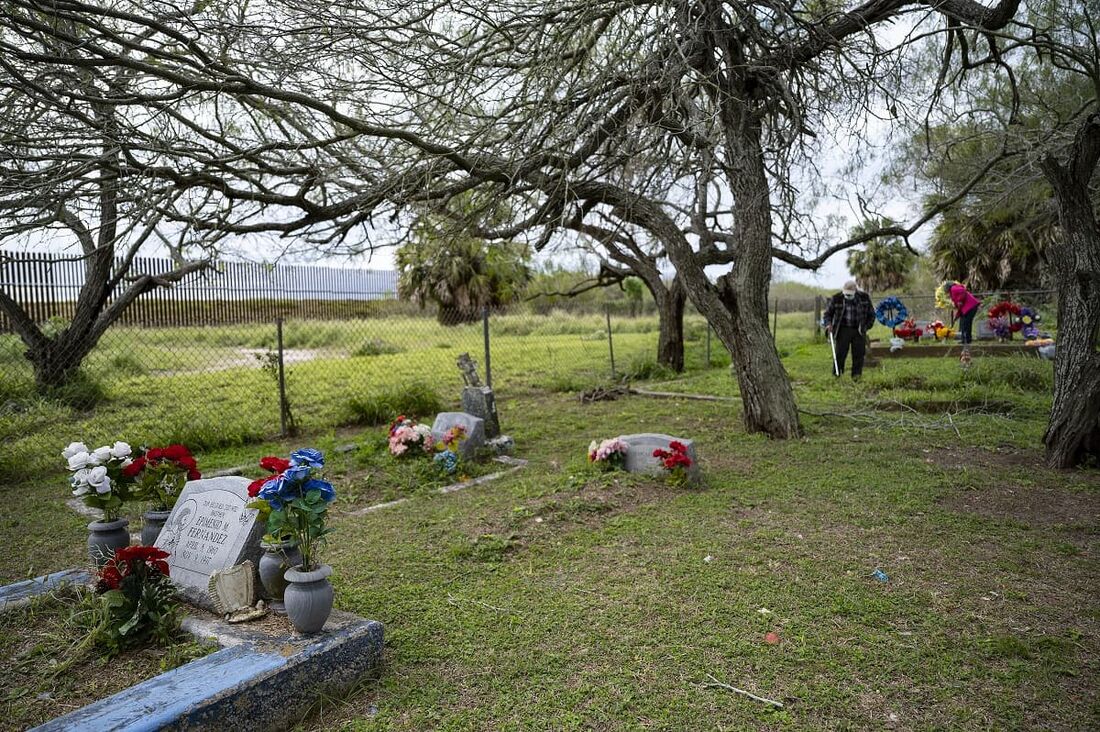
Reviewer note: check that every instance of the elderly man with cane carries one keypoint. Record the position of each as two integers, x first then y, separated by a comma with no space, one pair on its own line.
848,317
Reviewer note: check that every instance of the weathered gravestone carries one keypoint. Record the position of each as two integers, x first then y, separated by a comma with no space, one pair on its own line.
478,400
639,453
209,530
474,426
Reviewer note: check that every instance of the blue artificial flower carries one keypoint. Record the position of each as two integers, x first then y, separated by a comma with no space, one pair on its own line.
447,460
308,456
328,493
271,491
297,473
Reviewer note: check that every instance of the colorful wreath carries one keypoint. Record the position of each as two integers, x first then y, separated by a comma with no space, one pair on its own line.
1030,320
891,312
943,296
1001,319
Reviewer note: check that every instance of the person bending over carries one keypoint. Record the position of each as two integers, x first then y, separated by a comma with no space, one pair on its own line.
848,317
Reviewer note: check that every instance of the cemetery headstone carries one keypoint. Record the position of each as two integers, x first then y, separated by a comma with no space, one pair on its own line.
478,400
639,454
209,529
474,426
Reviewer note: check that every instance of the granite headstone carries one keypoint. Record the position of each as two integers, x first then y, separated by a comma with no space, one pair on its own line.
474,426
639,453
480,402
209,529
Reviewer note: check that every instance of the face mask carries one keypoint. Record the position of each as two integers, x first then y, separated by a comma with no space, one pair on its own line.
849,295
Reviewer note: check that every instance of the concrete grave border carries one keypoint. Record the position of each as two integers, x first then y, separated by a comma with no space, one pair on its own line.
238,687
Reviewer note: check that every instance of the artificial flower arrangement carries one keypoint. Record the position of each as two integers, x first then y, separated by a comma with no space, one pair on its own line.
1029,321
161,473
609,454
138,600
942,332
447,448
943,296
908,330
294,501
409,438
1001,320
99,476
675,460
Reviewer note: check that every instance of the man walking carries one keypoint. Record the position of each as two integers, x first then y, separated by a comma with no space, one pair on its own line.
848,317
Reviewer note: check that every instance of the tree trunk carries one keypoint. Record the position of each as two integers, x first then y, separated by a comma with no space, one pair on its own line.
670,341
1073,433
56,362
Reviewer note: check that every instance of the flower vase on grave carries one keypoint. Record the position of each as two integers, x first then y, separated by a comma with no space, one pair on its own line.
152,523
308,597
274,563
105,537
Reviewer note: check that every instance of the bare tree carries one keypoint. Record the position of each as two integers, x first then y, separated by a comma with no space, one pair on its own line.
547,105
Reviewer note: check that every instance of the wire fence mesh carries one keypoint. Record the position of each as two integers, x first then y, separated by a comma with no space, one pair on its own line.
215,364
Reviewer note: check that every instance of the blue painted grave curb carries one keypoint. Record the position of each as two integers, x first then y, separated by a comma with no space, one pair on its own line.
241,687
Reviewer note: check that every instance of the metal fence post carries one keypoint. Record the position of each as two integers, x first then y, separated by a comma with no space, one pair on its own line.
610,343
488,361
708,345
283,409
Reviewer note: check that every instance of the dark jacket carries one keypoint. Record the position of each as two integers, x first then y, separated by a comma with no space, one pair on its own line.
865,311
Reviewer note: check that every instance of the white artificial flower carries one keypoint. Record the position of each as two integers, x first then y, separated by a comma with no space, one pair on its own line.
80,477
74,448
121,450
126,463
101,454
98,479
80,460
81,489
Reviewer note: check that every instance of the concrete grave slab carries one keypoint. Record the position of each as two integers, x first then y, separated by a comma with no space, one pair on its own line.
639,454
210,529
475,431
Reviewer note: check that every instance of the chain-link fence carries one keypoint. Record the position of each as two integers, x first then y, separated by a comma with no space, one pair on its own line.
245,352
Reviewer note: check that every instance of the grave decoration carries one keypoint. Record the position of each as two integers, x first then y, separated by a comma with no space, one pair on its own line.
1029,320
608,454
642,455
138,599
943,296
891,312
99,480
280,553
408,438
940,331
1003,319
159,476
448,447
233,592
472,427
210,528
295,503
908,330
676,461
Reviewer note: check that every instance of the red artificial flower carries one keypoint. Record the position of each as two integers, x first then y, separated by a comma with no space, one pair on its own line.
274,464
132,470
155,454
151,555
109,576
193,474
177,453
255,486
677,446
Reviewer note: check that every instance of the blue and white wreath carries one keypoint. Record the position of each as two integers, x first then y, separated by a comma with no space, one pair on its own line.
891,312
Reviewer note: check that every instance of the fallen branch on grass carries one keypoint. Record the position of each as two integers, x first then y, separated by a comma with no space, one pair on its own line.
749,694
678,395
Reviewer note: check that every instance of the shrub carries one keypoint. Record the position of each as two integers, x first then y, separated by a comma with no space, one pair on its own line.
376,347
642,368
414,399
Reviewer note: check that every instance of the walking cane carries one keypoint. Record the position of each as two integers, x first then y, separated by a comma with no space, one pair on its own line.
832,345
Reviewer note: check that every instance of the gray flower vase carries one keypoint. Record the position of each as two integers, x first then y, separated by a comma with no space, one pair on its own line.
152,523
308,598
274,563
104,537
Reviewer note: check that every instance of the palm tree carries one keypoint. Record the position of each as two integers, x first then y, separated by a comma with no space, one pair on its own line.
883,264
461,275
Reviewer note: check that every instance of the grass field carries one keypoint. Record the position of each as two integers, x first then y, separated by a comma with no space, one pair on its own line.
563,598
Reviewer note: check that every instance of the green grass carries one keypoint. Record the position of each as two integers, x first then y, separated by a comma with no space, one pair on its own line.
559,597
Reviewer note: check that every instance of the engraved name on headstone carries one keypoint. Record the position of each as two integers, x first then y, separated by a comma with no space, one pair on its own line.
209,529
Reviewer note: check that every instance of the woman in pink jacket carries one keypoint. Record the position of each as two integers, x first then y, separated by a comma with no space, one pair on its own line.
966,307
